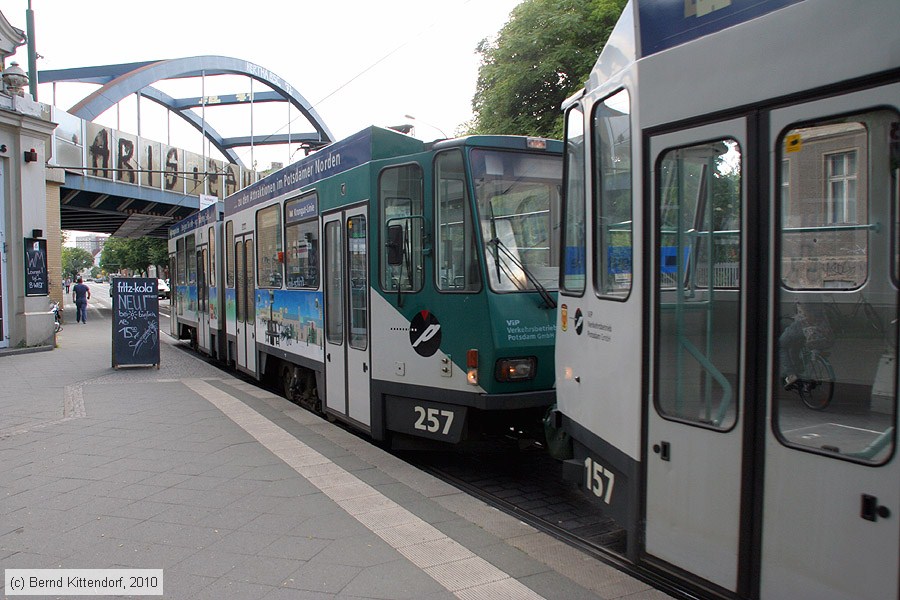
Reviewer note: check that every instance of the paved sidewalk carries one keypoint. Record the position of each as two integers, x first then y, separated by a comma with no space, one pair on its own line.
236,493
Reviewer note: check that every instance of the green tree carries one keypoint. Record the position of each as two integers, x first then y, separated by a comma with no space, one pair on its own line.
75,260
134,254
542,55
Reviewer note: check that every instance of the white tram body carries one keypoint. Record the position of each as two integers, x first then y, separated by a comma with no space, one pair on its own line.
730,166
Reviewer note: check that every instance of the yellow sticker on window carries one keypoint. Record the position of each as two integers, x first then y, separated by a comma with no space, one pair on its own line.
793,143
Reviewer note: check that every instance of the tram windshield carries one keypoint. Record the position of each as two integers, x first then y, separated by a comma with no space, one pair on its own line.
517,198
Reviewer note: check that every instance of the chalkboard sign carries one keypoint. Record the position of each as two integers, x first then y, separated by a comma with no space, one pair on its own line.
36,281
135,322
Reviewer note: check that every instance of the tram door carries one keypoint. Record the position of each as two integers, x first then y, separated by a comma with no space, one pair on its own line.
203,298
245,303
831,511
347,315
695,436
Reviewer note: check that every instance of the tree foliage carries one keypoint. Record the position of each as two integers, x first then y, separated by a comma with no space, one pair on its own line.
134,254
75,260
542,55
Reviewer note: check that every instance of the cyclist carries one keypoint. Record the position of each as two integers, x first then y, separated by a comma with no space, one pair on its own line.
810,328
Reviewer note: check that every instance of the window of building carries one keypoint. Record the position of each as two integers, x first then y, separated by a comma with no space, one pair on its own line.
841,176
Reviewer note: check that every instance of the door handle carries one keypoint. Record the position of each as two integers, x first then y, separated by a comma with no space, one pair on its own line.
328,357
870,511
365,368
664,450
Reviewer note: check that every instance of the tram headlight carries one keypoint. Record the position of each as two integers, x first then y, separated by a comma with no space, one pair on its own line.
515,369
472,366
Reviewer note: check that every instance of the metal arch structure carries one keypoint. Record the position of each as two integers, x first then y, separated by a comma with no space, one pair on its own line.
121,80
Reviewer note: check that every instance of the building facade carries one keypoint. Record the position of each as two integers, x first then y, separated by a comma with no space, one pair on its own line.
29,245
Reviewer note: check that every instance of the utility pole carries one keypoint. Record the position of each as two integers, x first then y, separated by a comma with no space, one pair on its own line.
32,53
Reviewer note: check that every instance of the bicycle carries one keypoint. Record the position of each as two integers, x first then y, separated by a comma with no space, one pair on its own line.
812,336
847,321
815,382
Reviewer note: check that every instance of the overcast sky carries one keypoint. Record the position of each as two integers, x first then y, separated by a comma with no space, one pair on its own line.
359,62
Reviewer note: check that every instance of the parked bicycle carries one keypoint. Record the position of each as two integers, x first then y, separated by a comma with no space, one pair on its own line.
803,346
815,382
54,308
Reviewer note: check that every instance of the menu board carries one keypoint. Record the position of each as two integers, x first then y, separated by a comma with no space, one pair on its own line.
36,281
135,322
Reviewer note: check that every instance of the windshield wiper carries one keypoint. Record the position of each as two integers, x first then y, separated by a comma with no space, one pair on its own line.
499,246
494,237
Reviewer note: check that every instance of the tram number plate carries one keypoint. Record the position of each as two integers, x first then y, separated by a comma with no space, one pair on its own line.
599,480
425,419
430,419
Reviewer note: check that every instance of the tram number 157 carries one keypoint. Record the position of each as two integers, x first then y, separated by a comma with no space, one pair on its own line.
429,419
599,479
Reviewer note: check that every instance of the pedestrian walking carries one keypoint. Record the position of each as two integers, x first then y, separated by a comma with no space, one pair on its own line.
80,295
67,282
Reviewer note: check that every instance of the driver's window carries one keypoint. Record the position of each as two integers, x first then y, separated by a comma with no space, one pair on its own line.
400,198
457,263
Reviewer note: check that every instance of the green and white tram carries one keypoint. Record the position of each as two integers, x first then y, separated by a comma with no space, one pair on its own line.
733,169
405,288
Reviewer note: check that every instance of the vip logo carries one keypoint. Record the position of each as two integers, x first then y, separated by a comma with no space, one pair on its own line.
425,333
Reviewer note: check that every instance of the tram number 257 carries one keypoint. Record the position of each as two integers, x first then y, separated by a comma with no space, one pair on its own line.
430,419
599,479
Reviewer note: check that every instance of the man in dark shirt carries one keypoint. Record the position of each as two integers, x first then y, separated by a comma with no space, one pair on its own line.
80,295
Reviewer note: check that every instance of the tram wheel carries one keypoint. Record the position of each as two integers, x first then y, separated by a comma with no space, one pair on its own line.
287,383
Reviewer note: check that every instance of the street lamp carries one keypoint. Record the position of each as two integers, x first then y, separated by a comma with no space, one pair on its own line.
412,118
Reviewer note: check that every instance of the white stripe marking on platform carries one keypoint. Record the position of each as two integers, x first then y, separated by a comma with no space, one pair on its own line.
448,562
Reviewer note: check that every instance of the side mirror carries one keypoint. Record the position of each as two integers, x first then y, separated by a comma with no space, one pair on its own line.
394,245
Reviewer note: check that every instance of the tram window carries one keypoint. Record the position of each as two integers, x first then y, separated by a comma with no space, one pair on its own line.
698,351
334,283
401,203
229,254
835,339
456,254
517,196
825,217
573,242
357,242
179,257
212,257
302,239
190,257
612,196
268,243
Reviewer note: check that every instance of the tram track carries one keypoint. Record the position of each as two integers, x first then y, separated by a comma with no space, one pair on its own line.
572,520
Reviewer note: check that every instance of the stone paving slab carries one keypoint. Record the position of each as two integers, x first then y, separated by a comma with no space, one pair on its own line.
253,498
